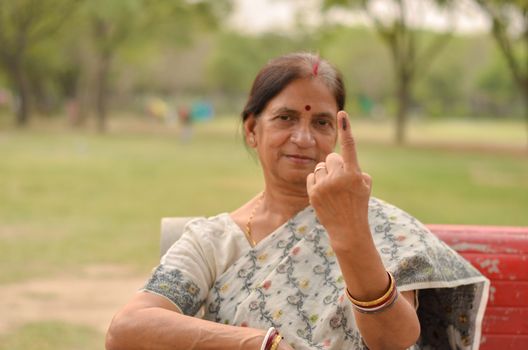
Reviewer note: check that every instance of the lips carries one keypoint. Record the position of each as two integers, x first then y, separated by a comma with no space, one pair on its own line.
300,158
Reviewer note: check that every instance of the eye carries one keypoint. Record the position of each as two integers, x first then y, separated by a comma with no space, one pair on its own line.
323,123
285,118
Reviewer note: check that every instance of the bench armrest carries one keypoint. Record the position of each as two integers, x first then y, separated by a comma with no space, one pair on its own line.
171,231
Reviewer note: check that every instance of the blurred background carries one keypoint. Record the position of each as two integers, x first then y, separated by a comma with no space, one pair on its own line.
114,114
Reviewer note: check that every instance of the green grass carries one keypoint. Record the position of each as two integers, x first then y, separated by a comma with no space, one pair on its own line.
70,198
452,188
484,133
74,198
52,336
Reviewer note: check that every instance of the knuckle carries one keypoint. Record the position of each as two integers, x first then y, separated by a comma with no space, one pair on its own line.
355,173
355,179
333,156
348,142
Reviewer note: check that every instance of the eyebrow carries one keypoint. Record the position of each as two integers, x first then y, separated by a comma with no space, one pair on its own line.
285,110
291,111
325,115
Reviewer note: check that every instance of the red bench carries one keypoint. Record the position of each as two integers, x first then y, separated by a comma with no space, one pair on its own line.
501,254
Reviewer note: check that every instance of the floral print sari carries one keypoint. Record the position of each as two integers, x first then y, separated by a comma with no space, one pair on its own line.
291,280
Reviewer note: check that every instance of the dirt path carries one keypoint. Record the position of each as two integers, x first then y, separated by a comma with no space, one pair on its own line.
91,298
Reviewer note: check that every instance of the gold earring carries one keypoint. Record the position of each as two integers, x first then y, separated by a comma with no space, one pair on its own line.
251,139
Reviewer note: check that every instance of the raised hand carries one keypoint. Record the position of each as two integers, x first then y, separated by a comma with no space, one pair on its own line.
339,191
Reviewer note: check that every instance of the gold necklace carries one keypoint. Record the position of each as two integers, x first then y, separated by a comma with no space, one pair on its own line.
248,225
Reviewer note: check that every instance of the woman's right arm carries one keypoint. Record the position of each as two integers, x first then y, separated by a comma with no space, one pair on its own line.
152,322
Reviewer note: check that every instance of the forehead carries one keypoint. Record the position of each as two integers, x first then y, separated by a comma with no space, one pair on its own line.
305,92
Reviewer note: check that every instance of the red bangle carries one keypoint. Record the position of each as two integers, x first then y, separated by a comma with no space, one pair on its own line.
268,338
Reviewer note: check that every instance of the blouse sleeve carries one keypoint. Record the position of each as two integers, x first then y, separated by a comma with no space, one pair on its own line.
186,272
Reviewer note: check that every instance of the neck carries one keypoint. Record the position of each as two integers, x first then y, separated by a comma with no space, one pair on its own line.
284,202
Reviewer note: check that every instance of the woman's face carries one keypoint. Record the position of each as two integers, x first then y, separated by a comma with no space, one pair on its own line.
296,130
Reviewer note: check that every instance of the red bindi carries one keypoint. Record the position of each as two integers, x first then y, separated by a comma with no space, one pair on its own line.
307,107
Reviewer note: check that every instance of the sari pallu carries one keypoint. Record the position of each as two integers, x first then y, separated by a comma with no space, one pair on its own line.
291,280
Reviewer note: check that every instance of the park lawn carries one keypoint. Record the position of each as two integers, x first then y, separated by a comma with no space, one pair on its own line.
70,199
52,335
486,134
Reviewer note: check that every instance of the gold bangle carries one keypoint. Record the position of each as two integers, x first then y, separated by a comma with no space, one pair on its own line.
276,342
377,301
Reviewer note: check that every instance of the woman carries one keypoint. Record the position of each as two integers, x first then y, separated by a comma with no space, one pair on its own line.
313,261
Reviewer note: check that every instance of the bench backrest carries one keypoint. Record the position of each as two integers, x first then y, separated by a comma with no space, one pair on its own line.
499,252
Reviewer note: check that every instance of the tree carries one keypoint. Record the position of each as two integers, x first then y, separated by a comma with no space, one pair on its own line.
361,59
410,56
509,20
115,24
237,57
23,24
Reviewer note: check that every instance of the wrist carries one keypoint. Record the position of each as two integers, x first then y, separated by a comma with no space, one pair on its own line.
351,239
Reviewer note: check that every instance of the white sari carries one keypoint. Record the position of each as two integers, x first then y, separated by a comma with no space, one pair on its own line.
291,280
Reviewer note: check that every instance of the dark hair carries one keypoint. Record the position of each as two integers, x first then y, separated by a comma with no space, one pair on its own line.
281,71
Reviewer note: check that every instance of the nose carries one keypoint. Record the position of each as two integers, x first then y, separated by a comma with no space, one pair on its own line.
302,136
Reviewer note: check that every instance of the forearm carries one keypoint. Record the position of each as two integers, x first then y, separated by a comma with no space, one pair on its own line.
366,278
156,328
395,328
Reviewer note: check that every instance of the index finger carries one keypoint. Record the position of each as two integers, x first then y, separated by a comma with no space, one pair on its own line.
347,143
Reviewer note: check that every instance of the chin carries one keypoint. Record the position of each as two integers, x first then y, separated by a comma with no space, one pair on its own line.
297,178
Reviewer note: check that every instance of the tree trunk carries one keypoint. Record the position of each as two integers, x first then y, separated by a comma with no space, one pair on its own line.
85,84
403,94
20,85
101,92
81,98
23,110
525,105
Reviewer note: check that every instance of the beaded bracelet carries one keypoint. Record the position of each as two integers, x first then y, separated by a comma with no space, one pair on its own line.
276,341
377,305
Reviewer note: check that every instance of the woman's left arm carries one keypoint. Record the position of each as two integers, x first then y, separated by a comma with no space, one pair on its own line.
395,327
339,193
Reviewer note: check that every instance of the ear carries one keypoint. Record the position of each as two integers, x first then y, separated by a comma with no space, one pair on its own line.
249,131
